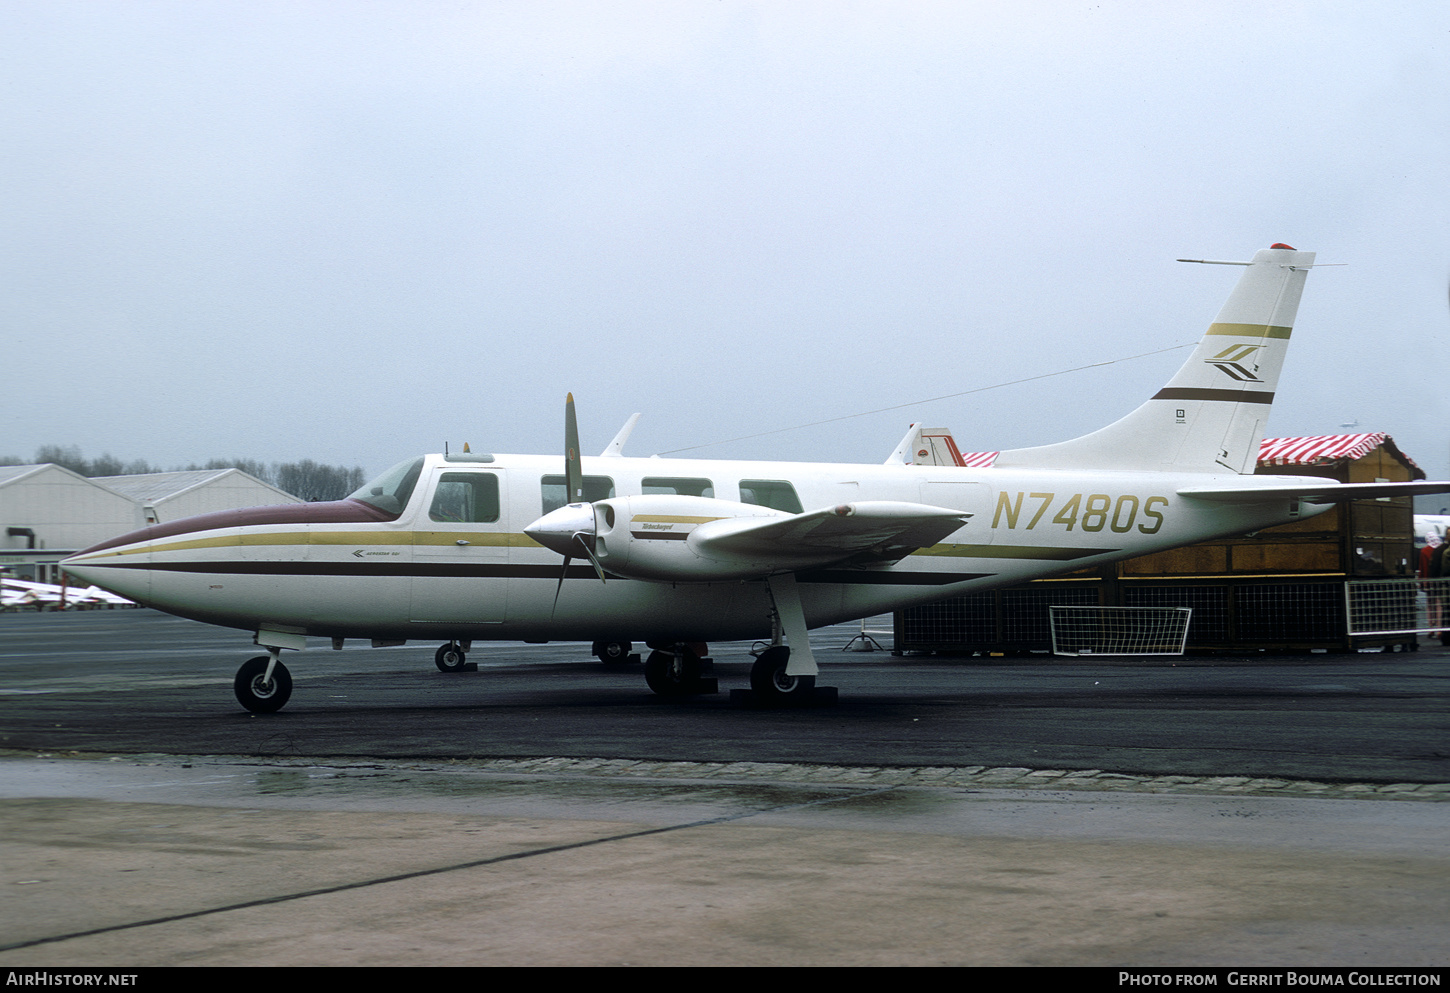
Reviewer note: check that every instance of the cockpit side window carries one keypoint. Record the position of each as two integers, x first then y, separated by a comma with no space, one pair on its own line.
555,490
465,497
390,491
776,494
682,487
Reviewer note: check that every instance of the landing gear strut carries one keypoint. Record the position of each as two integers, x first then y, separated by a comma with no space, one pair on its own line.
785,675
263,684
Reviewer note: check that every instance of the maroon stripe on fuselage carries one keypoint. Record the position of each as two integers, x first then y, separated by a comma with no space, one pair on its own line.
332,512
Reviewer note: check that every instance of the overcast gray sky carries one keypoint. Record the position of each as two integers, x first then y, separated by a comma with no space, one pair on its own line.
352,231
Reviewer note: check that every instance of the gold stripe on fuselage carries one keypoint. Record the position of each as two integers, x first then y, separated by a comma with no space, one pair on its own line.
1012,552
492,538
495,539
505,539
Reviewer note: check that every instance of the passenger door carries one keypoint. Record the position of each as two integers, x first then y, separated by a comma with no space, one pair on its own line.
461,548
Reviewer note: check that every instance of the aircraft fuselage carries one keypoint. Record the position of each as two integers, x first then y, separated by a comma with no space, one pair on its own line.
435,570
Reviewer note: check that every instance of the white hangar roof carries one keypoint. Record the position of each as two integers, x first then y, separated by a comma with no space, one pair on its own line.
158,487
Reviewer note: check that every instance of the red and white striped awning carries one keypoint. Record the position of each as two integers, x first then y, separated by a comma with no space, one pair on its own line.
1321,449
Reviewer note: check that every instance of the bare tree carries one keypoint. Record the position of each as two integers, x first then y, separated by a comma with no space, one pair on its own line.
306,479
312,481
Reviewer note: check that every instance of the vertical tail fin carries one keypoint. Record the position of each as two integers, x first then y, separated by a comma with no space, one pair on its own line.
1211,415
926,446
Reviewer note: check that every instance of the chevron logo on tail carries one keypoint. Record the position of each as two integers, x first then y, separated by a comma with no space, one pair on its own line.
1228,362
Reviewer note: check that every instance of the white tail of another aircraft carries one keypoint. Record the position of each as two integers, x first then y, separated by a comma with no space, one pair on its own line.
1211,415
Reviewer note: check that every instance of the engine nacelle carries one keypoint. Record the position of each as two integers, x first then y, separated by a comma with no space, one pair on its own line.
648,537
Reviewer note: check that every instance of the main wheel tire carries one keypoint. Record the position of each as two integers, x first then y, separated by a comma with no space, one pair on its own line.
672,673
449,658
770,681
612,652
262,697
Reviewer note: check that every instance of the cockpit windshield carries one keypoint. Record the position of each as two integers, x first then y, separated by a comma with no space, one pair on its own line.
390,491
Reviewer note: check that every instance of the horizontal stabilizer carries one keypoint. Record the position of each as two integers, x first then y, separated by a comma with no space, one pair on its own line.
1313,491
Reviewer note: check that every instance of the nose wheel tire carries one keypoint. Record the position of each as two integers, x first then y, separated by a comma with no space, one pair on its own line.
673,673
449,658
773,684
612,652
256,693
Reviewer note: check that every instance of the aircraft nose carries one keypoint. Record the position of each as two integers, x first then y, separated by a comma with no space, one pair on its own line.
79,571
556,529
134,584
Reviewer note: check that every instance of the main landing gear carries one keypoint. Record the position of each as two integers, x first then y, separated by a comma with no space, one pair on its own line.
680,670
263,684
785,675
613,653
772,684
453,657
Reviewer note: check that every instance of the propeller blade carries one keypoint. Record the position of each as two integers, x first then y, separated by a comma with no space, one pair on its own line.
573,467
564,572
552,533
558,589
583,538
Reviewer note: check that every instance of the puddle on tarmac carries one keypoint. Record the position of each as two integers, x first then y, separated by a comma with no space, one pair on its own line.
597,794
321,782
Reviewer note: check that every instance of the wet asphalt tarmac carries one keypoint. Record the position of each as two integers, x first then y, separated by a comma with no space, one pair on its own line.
140,681
545,810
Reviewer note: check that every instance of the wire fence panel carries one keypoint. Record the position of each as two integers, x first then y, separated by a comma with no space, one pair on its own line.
1119,630
1397,606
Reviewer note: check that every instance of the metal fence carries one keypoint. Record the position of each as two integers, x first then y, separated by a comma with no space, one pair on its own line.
1258,613
1119,630
1397,606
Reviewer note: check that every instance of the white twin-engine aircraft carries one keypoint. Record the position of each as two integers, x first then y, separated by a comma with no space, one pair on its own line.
676,552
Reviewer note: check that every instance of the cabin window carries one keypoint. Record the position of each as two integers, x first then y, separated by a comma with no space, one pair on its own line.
773,493
465,497
555,490
680,487
390,491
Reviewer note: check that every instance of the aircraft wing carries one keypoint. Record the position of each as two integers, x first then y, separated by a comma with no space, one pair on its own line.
94,593
884,528
1312,491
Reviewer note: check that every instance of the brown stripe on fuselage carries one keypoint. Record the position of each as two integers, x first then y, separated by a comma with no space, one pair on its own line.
331,512
461,570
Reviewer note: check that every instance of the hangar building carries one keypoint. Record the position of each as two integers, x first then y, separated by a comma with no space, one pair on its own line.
169,496
47,511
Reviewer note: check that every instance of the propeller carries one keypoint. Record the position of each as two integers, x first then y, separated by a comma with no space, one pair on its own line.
573,467
572,527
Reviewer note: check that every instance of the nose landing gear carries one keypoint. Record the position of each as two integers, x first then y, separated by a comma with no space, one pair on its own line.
263,684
